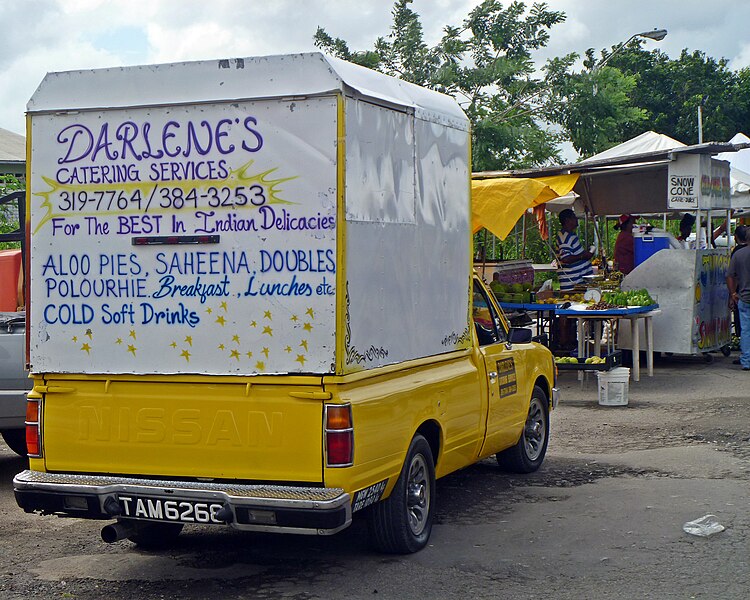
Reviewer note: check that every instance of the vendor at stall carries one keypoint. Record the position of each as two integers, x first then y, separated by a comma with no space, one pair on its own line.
686,228
575,264
624,258
574,261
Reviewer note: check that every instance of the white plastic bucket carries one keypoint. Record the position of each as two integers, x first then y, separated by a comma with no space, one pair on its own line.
613,386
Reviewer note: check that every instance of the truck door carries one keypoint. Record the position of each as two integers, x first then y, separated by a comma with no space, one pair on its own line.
505,374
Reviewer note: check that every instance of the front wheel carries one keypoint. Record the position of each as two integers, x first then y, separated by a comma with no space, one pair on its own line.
402,523
528,453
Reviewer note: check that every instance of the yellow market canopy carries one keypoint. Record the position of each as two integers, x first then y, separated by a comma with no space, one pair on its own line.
498,203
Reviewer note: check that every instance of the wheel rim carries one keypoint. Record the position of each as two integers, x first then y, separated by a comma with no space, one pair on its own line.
418,495
535,430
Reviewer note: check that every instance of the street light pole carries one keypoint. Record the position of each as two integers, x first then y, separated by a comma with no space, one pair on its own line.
657,35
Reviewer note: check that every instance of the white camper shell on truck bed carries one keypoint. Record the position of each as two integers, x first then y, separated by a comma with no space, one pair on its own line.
221,217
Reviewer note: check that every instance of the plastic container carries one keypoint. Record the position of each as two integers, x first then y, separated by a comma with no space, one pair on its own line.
648,244
10,268
613,386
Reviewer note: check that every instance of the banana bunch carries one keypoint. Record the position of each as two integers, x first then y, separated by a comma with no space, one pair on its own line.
595,360
566,360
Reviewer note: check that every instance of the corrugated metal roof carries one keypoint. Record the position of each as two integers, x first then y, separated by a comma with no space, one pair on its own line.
12,147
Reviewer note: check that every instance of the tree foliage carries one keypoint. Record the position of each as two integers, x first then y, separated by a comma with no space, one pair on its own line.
9,211
486,64
669,91
519,115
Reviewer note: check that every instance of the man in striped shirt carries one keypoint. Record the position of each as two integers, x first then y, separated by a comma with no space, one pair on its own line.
574,261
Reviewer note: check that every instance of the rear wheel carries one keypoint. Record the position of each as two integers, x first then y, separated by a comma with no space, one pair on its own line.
153,536
528,453
16,440
402,523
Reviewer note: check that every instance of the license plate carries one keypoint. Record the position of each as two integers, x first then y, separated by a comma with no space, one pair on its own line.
172,509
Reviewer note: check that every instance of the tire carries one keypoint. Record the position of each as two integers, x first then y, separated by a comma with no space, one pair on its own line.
153,536
16,440
402,523
726,350
708,358
528,453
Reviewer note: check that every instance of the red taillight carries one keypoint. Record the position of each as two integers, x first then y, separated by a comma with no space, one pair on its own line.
33,445
339,435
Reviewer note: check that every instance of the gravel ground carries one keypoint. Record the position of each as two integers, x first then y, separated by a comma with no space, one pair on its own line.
602,519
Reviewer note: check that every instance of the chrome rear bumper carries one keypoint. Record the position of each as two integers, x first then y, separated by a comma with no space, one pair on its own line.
262,507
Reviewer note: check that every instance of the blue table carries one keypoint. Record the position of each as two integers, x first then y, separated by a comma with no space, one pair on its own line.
541,310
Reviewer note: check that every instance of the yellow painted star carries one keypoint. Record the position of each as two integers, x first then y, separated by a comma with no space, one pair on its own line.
132,333
310,312
307,327
209,310
86,348
185,354
234,354
265,351
118,341
132,349
75,339
288,349
300,359
260,365
89,334
267,315
303,343
173,344
189,340
267,329
221,320
253,323
221,346
236,339
294,318
249,354
224,306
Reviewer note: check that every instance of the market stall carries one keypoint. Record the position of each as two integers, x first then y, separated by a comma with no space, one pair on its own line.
659,177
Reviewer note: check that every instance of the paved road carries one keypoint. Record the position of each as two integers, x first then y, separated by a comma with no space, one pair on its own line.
602,519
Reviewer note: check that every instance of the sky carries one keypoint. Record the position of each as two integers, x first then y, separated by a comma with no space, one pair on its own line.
40,36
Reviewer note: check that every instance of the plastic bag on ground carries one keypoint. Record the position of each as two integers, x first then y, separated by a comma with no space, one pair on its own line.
703,527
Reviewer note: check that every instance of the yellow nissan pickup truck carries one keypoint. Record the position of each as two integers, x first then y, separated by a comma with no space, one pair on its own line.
252,304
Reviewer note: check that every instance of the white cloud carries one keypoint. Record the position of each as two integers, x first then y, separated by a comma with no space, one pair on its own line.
48,35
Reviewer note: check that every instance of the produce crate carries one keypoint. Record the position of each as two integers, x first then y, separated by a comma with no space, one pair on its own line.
515,297
612,360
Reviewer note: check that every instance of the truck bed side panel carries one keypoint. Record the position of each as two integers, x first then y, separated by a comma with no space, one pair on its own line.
388,409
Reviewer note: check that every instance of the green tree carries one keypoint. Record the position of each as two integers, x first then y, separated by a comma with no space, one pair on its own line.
670,91
486,64
9,211
595,107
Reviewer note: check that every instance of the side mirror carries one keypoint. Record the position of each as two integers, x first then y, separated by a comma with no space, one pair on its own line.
520,335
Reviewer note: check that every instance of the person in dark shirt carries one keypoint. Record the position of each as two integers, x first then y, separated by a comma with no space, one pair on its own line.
738,282
624,257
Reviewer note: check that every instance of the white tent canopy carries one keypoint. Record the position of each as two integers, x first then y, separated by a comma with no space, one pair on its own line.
649,141
739,168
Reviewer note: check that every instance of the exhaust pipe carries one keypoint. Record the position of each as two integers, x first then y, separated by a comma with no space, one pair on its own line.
116,532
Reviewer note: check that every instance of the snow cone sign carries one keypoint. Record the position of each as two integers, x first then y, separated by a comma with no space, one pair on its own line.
696,181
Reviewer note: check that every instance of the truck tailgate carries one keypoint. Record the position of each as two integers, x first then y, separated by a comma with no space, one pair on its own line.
218,430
